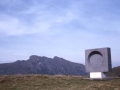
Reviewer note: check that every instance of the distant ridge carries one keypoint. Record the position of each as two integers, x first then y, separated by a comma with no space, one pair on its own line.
115,71
43,65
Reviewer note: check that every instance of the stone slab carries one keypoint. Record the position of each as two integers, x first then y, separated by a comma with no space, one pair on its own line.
98,60
107,78
97,75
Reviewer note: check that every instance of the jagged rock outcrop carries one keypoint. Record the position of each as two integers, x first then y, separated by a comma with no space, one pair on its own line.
43,65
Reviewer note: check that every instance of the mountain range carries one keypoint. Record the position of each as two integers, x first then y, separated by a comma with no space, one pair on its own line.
43,65
115,71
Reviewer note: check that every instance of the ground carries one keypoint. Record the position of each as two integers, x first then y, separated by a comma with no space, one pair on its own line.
57,82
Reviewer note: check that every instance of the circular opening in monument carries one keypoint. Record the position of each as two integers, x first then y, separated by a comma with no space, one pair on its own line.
95,59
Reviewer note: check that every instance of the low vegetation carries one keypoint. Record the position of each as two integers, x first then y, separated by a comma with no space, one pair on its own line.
65,82
115,71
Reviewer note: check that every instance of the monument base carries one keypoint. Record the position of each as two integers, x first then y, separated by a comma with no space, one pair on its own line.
99,76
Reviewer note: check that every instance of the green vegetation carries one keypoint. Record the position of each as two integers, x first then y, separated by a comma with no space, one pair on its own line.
45,82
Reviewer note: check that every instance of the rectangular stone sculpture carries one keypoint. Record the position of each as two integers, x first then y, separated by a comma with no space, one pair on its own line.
98,61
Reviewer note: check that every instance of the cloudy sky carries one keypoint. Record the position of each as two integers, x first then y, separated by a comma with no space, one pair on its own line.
64,28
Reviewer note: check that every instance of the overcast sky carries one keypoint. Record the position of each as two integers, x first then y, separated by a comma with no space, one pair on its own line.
64,28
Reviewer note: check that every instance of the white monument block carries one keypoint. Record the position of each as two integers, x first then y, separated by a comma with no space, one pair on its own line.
96,75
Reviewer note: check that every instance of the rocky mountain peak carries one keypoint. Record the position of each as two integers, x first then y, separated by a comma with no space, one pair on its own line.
33,57
43,65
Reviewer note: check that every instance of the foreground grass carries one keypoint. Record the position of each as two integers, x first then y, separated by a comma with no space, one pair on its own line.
44,82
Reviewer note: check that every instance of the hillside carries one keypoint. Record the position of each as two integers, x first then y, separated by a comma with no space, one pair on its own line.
43,65
115,71
45,82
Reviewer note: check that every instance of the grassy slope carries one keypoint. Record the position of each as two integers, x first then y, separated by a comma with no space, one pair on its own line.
115,71
43,82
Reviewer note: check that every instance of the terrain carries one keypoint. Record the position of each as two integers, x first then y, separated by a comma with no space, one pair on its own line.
43,65
115,71
55,82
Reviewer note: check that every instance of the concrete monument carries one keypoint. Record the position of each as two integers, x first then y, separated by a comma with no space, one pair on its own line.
98,62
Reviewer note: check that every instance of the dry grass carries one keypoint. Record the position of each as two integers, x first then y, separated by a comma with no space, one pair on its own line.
44,82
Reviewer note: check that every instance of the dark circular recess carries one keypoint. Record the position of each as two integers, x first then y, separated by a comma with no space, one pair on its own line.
95,59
